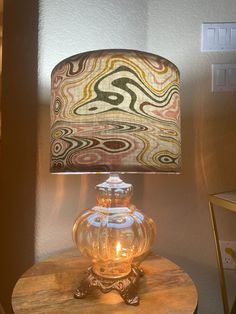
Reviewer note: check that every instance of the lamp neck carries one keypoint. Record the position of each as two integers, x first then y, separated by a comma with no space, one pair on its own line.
114,192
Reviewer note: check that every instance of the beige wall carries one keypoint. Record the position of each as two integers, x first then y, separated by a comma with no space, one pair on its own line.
208,144
177,203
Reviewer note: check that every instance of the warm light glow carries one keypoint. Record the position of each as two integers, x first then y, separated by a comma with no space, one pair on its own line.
118,248
117,233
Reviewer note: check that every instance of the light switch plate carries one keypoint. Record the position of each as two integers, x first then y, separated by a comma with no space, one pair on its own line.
223,77
218,36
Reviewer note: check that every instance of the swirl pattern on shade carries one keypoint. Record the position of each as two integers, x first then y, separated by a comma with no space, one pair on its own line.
115,111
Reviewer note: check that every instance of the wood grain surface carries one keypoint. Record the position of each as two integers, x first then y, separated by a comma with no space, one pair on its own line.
48,287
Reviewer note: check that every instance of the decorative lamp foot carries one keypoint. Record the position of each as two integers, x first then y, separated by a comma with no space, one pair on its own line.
126,286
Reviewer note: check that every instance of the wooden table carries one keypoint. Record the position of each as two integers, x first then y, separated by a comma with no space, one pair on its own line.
48,287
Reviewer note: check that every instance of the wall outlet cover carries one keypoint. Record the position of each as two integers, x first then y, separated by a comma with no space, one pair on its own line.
228,254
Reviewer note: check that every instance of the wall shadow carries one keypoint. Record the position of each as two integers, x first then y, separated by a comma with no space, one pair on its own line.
19,143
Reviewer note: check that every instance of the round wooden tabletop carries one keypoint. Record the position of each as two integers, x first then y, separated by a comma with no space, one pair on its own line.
48,287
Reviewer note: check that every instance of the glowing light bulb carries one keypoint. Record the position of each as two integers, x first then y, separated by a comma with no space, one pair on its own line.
118,249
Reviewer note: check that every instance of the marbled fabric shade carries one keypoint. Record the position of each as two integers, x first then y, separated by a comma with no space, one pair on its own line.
115,111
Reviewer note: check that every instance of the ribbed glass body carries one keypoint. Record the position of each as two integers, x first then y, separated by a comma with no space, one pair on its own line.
113,232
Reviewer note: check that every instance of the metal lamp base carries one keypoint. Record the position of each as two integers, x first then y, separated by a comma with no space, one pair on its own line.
126,286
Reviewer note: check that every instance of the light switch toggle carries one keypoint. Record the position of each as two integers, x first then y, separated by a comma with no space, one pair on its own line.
222,35
223,77
220,77
232,77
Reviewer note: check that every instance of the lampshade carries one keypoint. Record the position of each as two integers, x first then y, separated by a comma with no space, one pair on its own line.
115,111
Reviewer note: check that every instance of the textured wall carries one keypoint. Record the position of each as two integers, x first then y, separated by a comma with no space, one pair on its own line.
208,143
178,203
71,27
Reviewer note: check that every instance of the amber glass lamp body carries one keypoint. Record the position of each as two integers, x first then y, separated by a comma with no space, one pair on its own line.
113,232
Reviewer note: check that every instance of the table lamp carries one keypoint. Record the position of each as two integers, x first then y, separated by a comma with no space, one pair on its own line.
114,111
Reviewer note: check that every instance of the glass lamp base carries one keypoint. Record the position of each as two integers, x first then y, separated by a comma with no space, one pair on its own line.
112,234
127,286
